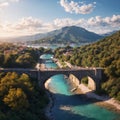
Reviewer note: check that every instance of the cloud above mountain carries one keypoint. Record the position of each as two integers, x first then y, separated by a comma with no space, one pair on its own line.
25,26
77,7
30,25
96,24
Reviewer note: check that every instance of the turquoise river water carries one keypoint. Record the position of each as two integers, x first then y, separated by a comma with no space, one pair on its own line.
68,106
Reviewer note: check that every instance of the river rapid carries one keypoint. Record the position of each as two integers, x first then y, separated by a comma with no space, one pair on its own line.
69,106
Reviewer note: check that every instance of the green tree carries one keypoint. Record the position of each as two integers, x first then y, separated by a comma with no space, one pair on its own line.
85,80
25,82
1,59
25,60
16,99
9,60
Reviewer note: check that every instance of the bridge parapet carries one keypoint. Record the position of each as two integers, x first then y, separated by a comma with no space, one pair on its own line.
69,69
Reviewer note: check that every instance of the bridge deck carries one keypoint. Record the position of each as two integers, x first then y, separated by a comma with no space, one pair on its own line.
69,69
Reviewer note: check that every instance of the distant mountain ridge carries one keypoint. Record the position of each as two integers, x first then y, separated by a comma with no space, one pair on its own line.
109,33
68,34
71,34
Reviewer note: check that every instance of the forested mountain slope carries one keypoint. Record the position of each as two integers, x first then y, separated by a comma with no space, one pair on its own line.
69,34
104,53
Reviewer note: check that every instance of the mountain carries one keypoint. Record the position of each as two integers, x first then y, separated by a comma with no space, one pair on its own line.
37,36
109,33
23,38
104,53
70,34
29,37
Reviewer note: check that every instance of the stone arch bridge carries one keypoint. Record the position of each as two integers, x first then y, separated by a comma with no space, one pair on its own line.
94,74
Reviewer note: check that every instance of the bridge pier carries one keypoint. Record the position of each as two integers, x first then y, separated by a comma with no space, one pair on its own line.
98,74
91,84
44,75
94,76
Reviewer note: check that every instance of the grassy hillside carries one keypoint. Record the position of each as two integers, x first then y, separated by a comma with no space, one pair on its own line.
104,53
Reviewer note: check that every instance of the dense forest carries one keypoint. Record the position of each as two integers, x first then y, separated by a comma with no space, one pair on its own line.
104,53
21,98
16,56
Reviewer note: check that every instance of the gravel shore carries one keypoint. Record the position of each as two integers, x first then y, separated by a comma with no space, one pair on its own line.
105,101
48,110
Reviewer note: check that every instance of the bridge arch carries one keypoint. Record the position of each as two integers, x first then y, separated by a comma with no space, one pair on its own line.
74,79
93,84
71,77
43,75
49,79
46,76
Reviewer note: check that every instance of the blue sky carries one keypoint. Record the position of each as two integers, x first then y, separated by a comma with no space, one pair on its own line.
26,17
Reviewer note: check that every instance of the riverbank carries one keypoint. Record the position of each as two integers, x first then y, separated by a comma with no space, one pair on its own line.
81,89
48,110
104,101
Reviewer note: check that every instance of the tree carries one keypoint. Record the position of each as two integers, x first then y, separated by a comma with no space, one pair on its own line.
7,81
1,59
78,61
16,99
25,82
85,80
25,60
9,60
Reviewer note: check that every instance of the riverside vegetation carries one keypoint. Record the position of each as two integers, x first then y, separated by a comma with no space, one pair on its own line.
104,53
16,56
21,98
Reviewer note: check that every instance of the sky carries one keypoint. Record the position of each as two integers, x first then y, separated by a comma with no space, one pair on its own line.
27,17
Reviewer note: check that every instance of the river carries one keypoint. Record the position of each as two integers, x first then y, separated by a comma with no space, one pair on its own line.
68,106
54,46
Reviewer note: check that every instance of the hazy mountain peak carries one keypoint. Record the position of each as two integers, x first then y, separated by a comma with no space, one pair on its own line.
69,34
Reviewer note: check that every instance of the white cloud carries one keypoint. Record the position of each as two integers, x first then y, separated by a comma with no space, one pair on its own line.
32,25
63,22
77,7
29,25
25,26
2,1
5,3
114,20
110,22
13,0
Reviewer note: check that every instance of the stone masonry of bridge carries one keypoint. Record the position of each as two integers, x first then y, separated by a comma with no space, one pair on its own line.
93,73
43,75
